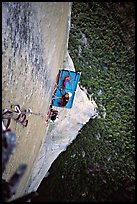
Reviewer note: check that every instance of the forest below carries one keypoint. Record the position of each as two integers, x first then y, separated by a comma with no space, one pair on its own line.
99,165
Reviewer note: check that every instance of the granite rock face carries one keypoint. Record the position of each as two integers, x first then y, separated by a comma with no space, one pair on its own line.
34,43
62,133
34,46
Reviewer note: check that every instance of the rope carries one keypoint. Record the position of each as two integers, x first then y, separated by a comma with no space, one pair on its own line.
8,114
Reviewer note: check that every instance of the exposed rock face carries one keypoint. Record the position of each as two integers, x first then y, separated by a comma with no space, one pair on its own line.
34,43
63,132
34,40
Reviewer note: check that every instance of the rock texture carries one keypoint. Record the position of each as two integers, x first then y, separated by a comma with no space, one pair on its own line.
34,39
61,133
34,47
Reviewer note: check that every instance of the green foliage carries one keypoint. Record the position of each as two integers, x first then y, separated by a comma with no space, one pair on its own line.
100,164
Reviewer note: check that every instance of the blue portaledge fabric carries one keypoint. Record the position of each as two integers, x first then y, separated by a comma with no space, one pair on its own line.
70,87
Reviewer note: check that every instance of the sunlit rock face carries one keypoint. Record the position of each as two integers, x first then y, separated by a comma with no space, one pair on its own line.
34,42
34,46
61,133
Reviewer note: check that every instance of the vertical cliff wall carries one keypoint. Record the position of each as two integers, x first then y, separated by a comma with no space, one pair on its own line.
63,132
34,46
34,39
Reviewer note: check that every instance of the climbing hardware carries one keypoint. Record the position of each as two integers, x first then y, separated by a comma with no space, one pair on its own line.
9,187
16,115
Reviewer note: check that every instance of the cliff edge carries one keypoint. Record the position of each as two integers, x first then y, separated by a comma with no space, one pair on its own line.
34,47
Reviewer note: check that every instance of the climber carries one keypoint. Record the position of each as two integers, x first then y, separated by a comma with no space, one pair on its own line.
65,99
52,114
66,79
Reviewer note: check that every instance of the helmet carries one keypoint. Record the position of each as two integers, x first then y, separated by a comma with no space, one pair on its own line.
70,94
